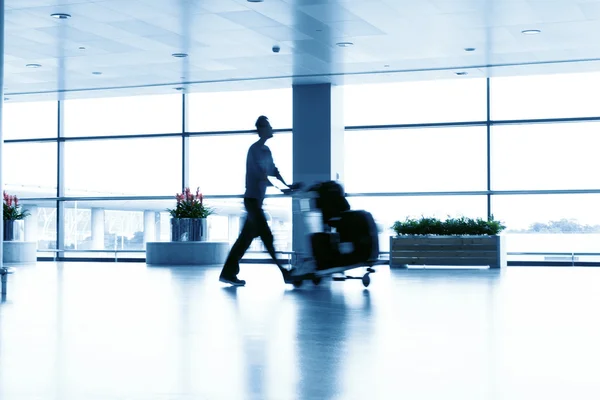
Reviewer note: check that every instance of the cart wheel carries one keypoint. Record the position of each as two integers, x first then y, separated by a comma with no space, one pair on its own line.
297,284
316,280
366,280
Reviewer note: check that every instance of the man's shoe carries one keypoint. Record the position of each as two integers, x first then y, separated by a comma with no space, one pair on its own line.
234,281
287,275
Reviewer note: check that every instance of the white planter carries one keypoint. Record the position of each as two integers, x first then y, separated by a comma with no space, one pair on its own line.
186,253
447,250
19,252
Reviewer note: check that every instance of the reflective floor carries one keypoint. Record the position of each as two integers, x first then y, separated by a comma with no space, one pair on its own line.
109,331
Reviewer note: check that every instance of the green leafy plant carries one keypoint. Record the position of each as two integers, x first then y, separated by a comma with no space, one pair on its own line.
190,205
449,227
11,209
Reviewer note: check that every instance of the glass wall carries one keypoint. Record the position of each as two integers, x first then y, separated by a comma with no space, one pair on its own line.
121,162
421,148
519,148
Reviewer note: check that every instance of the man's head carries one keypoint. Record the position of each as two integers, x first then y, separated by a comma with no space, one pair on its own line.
263,127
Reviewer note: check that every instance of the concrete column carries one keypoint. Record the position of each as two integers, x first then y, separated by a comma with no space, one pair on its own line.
318,142
1,104
60,181
97,228
149,227
31,224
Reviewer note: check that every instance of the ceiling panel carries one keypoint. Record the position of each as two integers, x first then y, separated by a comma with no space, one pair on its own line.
229,42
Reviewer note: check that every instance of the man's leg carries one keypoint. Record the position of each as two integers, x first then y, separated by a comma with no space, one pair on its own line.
232,264
263,230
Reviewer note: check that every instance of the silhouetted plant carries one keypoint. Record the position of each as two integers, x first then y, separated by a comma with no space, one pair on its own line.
449,227
11,209
190,205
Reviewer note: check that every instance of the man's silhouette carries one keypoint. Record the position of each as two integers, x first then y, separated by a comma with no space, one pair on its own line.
259,166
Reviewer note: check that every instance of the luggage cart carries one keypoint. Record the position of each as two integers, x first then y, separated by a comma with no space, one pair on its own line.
305,265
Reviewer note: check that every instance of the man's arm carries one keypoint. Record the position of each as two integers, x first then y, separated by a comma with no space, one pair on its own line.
278,175
274,171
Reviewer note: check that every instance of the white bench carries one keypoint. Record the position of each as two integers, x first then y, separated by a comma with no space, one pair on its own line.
186,253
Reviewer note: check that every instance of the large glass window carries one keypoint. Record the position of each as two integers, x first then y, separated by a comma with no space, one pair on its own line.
415,102
550,223
559,156
229,111
123,167
30,169
413,160
29,120
387,210
218,162
545,156
228,220
40,225
123,115
118,225
545,96
114,225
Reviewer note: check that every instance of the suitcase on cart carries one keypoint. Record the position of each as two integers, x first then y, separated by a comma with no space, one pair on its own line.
354,242
345,240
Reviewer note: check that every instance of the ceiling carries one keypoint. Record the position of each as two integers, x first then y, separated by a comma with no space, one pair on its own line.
229,42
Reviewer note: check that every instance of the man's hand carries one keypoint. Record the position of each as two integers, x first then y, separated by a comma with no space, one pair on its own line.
291,188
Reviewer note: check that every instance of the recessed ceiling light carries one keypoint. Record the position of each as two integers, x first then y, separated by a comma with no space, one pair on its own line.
179,88
469,48
6,98
179,55
96,73
531,31
344,44
60,16
461,73
387,65
81,48
255,1
33,65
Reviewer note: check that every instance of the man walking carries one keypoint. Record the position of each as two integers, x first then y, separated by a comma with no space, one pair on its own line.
259,166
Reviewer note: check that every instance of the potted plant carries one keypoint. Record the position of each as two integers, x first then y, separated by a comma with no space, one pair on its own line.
188,218
456,241
13,216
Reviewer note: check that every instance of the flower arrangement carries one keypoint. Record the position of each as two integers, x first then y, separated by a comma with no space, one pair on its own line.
12,210
190,205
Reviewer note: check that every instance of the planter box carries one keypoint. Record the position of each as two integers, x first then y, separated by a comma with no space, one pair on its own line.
447,250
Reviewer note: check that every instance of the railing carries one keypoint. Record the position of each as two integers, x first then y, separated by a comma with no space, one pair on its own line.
571,257
110,251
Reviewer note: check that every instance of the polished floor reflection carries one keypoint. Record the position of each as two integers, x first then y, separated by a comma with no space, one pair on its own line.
107,331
